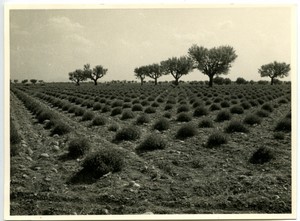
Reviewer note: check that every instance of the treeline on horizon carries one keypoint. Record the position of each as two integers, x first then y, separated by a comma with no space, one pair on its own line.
211,62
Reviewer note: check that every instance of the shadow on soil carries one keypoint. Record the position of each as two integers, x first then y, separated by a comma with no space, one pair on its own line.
83,177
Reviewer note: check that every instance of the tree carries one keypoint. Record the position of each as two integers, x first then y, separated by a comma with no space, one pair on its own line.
274,70
97,72
140,73
240,80
33,81
77,76
177,67
41,81
24,81
154,71
16,81
214,61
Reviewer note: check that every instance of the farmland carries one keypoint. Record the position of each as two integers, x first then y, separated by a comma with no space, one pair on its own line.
186,149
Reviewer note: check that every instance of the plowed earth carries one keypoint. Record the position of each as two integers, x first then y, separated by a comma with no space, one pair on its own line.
184,178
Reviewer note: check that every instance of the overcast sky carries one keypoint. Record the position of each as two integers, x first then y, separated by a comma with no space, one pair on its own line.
48,44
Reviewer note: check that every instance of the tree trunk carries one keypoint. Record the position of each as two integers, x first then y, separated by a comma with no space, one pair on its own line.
142,81
272,80
77,83
210,84
95,82
155,81
176,81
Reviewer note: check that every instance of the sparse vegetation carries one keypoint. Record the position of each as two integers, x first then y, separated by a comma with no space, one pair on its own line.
152,142
185,131
261,155
236,126
216,139
78,147
104,161
130,133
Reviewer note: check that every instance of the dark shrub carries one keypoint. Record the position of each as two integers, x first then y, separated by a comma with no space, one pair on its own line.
167,115
155,104
261,155
78,147
216,139
214,107
283,101
14,135
184,117
160,100
284,125
66,107
117,103
267,107
72,109
205,123
60,128
225,104
145,103
208,102
127,114
279,135
114,127
126,105
50,124
161,124
200,111
103,162
252,119
253,103
237,109
137,107
168,106
152,142
79,111
102,100
185,131
171,101
135,101
99,120
88,115
151,99
116,111
260,101
217,100
234,101
106,108
197,104
87,103
223,115
183,108
45,115
240,80
150,110
127,99
128,133
142,119
246,105
236,126
262,113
